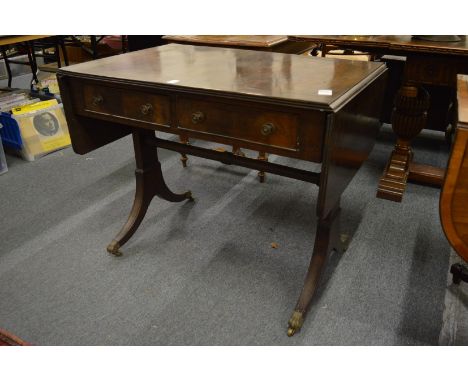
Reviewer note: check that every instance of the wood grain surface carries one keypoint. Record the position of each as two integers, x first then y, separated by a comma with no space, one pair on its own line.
279,76
454,197
390,42
255,41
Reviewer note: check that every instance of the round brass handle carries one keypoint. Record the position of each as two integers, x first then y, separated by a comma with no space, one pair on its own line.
97,100
197,117
146,109
268,129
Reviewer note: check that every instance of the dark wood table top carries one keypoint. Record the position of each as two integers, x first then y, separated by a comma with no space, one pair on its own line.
248,99
211,70
391,42
258,41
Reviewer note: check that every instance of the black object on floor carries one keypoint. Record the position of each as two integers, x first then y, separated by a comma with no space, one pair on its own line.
459,272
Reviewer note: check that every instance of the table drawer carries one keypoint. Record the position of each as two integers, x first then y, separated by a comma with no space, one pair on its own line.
101,99
135,105
263,126
146,107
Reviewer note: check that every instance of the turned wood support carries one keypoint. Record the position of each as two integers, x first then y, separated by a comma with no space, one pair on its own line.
264,157
183,157
236,150
408,119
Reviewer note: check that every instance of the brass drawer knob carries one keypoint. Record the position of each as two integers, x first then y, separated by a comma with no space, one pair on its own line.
197,117
146,109
97,100
268,129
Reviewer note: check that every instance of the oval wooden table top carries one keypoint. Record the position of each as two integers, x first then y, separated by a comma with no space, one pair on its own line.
454,197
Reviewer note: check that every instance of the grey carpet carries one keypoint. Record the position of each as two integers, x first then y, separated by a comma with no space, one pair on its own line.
205,273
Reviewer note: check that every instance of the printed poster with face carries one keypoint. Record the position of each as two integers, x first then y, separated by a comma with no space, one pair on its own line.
43,131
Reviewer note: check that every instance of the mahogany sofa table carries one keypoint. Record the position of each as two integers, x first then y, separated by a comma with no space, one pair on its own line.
427,63
322,111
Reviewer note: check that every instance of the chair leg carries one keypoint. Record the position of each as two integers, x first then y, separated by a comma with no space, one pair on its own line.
57,52
7,65
32,62
62,45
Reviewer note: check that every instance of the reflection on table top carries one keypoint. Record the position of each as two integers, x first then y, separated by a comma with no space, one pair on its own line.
248,72
258,41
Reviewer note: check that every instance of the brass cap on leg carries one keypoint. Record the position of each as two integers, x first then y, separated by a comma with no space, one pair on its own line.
295,323
188,195
114,248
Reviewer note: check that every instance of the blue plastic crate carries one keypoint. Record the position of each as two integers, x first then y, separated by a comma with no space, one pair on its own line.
10,132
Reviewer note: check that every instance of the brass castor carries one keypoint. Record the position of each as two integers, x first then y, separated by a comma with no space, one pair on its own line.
114,248
295,323
291,332
344,241
188,195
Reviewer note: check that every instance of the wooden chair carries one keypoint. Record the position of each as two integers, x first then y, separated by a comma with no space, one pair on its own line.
8,339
